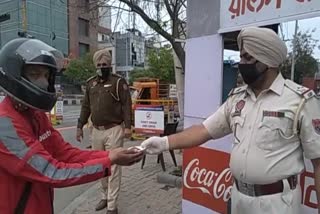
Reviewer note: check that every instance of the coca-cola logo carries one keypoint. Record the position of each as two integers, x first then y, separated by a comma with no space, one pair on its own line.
207,181
308,189
207,178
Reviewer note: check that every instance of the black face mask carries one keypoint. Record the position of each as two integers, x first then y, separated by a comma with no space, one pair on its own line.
250,73
104,73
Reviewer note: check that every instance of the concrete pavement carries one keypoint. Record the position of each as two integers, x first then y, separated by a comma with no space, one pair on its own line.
64,196
140,192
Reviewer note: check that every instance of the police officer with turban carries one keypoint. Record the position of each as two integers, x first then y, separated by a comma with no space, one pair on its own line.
275,123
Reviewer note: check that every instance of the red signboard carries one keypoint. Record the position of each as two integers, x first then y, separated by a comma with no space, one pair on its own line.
207,178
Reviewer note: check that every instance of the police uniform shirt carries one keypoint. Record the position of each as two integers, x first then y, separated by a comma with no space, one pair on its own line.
266,148
108,102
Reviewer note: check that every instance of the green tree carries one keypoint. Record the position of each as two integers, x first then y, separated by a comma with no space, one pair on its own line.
79,70
161,66
168,18
139,73
305,64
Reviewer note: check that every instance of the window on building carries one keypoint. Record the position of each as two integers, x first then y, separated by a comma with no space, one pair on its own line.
83,49
83,27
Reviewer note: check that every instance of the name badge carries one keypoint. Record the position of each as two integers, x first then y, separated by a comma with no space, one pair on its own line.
273,114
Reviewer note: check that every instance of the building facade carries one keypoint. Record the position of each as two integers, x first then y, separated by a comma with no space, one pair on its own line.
130,51
83,23
104,29
46,20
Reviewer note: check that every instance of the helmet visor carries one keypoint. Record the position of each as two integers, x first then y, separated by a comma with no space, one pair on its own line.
36,52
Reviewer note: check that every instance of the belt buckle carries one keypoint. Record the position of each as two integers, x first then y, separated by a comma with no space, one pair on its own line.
247,189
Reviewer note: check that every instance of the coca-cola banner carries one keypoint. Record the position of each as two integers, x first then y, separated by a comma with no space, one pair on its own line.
236,14
207,178
309,198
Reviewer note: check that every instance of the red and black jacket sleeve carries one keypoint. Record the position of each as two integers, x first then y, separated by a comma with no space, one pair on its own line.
24,156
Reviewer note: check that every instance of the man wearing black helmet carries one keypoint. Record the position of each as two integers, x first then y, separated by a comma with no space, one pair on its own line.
34,157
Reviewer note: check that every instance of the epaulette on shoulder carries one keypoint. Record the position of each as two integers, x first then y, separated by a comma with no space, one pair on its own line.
238,90
117,75
91,78
120,77
305,92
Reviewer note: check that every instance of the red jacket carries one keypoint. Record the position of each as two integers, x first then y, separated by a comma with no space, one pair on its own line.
36,152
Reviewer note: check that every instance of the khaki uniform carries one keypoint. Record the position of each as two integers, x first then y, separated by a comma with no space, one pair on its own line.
90,127
268,144
109,104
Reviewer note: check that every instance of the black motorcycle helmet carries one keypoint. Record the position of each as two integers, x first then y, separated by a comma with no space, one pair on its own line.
14,57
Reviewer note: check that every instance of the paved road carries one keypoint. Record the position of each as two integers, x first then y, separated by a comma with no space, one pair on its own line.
64,196
70,116
71,112
140,192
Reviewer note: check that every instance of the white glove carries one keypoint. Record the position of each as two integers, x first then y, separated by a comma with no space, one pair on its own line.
155,145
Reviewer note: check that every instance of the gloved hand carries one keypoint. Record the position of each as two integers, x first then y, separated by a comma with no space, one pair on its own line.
155,145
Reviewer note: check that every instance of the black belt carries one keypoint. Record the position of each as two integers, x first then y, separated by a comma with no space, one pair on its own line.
265,189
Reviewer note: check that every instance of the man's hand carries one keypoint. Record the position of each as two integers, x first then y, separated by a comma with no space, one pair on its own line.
125,157
127,133
79,134
155,145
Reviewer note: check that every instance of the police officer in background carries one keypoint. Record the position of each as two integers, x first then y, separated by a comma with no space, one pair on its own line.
107,99
274,122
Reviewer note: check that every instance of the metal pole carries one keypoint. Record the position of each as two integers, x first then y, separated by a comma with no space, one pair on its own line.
51,34
294,51
24,15
0,37
134,18
128,47
127,50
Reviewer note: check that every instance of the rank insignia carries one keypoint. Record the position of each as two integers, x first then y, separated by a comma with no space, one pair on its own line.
316,125
125,87
239,106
